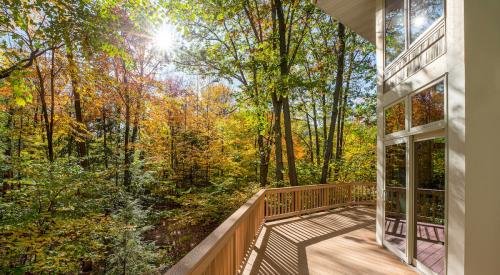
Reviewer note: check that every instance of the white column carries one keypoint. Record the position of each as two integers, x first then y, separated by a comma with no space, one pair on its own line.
379,17
482,132
456,137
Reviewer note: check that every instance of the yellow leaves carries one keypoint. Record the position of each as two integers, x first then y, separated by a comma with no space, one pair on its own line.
59,246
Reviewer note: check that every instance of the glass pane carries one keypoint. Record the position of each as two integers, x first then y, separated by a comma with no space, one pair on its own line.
428,106
395,196
430,203
422,14
394,29
395,118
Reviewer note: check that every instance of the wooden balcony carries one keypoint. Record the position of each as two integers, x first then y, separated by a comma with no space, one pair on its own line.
316,229
339,241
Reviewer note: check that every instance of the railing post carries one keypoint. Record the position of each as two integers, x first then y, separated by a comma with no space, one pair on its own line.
299,201
350,194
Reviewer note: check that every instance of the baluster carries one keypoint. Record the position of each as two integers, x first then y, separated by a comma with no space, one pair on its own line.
266,205
315,198
335,194
327,190
308,199
277,203
325,199
318,198
352,193
280,205
311,199
295,201
287,208
273,209
311,192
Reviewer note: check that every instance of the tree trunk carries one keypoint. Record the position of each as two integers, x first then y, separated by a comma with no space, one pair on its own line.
80,130
324,117
19,145
284,73
52,100
290,154
309,133
8,152
315,125
135,129
278,146
264,165
105,137
345,94
127,177
338,87
45,114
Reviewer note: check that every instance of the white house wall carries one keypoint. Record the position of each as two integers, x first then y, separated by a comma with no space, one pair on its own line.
482,136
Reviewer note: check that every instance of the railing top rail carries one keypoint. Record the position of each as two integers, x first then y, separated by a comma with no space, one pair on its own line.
316,186
207,249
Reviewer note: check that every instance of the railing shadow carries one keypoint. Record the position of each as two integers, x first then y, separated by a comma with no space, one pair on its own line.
281,248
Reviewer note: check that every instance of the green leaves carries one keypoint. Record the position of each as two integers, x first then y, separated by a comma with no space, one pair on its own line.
21,88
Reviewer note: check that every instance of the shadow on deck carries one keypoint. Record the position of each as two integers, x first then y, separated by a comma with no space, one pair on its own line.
339,241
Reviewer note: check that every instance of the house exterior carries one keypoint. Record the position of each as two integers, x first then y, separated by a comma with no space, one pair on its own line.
438,90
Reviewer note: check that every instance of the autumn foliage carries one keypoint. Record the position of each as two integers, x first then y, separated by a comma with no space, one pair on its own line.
117,157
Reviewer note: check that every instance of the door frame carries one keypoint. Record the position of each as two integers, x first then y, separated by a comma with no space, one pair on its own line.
411,134
389,246
412,222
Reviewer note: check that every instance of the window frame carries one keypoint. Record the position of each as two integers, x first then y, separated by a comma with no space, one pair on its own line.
435,125
400,133
408,45
405,27
430,127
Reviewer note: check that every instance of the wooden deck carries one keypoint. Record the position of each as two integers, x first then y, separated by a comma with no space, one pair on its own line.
340,241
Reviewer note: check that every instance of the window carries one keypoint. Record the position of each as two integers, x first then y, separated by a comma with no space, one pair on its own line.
395,118
422,14
404,26
394,29
427,106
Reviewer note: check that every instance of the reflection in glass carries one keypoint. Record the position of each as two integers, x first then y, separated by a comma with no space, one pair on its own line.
428,106
430,203
395,196
422,14
394,29
395,118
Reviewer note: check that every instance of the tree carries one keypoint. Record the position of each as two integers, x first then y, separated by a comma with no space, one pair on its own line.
338,87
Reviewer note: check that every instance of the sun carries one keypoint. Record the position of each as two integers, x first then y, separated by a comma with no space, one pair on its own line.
165,38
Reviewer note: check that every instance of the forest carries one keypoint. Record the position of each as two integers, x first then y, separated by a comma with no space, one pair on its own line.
130,129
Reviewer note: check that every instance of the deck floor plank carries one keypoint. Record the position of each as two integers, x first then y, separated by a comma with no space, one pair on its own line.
340,241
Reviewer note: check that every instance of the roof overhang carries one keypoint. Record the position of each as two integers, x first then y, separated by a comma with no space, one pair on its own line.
357,15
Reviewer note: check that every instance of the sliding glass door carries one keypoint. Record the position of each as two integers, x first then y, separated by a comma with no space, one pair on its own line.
395,235
429,162
415,178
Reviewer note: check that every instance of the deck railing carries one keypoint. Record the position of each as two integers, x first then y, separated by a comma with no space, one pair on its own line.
226,248
291,201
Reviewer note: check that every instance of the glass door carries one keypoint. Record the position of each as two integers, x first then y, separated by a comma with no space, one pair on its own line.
395,206
429,162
